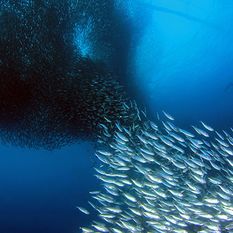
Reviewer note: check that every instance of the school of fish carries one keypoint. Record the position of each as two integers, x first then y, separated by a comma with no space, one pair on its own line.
157,177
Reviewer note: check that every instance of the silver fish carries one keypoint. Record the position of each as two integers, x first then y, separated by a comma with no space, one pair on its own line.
160,178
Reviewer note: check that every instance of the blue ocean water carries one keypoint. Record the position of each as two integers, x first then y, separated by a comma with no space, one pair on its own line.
180,61
183,60
40,190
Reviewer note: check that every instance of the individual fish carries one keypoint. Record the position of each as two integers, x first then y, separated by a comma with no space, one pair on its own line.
219,135
201,132
100,227
168,116
150,135
142,139
102,158
207,126
104,153
166,141
166,127
122,136
186,133
177,137
83,210
86,230
154,126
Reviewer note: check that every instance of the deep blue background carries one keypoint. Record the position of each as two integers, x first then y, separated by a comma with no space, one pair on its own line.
181,61
39,190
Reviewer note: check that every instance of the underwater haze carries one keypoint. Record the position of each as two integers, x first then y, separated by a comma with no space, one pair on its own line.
182,62
40,189
168,55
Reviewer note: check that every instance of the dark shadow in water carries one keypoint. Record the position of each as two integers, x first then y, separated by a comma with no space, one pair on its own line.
50,95
180,14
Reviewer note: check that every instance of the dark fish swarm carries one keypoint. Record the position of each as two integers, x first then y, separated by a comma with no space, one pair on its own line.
157,177
52,113
50,95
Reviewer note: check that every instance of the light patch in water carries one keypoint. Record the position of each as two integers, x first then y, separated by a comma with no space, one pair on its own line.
83,38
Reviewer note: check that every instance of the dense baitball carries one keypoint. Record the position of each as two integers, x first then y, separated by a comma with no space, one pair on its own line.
49,94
